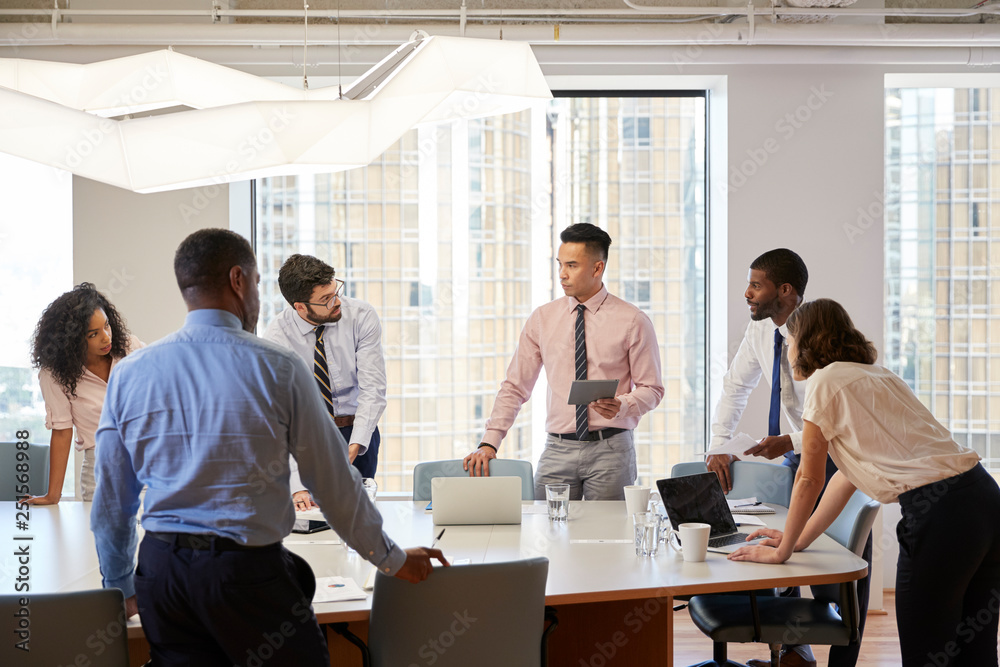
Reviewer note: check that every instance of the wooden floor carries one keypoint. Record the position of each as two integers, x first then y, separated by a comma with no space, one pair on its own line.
880,647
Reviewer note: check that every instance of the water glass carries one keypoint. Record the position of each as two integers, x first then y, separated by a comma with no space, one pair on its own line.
647,533
557,496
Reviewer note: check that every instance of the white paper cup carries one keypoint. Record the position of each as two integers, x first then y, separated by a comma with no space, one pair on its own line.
693,541
636,499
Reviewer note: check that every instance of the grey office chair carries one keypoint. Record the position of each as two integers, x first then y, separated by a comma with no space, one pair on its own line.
423,473
63,627
771,483
749,618
38,470
486,615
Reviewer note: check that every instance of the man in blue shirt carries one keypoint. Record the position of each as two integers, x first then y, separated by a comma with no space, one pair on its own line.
340,339
206,419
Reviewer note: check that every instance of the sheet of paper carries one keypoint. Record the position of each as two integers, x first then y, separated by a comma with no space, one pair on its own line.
735,446
748,520
313,515
337,589
370,579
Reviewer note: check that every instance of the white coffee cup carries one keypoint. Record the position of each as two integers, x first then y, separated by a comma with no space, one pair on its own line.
693,541
636,499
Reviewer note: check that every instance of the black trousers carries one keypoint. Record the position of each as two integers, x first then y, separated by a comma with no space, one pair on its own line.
843,656
368,462
948,573
205,607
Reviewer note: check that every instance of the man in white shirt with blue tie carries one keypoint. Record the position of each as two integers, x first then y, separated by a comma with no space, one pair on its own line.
776,284
340,339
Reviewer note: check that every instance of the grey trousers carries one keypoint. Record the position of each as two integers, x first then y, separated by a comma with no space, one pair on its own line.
594,470
87,482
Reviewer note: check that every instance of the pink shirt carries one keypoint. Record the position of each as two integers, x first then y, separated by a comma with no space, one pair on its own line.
84,410
621,344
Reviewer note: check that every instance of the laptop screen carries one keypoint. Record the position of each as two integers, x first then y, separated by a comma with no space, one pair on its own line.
697,498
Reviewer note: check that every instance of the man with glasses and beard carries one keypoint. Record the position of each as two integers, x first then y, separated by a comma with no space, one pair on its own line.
340,339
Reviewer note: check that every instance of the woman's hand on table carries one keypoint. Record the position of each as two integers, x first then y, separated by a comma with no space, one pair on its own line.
766,551
42,500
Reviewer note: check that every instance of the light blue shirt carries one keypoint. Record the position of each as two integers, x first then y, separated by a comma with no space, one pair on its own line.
206,419
354,361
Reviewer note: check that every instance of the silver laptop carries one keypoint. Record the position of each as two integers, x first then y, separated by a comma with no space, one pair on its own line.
476,500
699,499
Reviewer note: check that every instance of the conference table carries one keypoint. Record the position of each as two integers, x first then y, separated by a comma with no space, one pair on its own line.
614,608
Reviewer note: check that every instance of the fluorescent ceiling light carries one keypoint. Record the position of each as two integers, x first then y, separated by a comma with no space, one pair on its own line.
240,126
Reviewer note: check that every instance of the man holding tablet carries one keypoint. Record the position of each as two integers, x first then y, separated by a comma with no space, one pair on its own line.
587,335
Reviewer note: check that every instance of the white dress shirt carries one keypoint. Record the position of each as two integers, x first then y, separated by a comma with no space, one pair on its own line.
354,361
754,359
883,439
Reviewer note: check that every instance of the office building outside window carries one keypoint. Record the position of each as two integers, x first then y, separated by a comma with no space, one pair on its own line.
452,234
942,236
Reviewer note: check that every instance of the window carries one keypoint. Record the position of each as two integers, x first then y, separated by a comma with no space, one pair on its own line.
37,213
942,245
477,260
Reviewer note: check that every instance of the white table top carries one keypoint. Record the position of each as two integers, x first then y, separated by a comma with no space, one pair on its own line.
63,557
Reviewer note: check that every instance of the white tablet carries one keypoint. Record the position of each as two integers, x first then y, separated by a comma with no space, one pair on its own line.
588,391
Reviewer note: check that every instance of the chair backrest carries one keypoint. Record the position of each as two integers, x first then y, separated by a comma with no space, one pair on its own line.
62,628
850,529
38,469
423,473
484,615
771,483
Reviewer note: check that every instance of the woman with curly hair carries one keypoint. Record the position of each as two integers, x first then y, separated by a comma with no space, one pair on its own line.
78,340
888,444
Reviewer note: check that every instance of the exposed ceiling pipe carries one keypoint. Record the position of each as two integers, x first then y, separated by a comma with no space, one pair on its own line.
691,35
639,12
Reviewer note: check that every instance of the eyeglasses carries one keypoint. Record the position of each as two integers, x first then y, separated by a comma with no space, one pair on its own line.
332,299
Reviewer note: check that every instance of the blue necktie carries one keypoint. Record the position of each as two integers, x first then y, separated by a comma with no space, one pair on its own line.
582,429
773,421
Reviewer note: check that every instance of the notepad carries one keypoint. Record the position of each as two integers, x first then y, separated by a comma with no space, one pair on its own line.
748,506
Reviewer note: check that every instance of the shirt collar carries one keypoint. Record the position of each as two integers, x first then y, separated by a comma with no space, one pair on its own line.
305,328
783,329
593,304
214,318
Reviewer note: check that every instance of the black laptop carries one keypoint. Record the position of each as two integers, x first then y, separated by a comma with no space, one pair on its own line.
700,499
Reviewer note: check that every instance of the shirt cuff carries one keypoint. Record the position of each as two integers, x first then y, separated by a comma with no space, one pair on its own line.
492,437
627,403
796,441
126,584
392,562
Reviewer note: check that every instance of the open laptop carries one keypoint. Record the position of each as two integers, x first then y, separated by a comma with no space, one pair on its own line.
476,500
699,499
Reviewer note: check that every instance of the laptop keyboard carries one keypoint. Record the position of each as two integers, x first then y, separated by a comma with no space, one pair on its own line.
726,540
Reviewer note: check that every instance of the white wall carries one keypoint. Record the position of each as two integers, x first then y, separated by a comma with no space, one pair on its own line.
124,243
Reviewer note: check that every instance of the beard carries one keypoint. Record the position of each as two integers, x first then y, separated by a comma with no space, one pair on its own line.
766,309
328,318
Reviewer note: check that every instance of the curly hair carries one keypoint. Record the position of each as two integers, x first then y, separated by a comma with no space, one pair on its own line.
300,275
59,344
824,333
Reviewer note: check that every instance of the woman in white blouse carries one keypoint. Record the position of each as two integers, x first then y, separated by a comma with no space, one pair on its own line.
78,340
886,443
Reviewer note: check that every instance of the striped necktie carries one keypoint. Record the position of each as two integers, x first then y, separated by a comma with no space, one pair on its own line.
582,430
319,369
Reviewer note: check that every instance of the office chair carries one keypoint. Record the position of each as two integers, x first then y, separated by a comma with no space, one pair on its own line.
423,473
743,618
491,614
38,470
771,483
62,628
